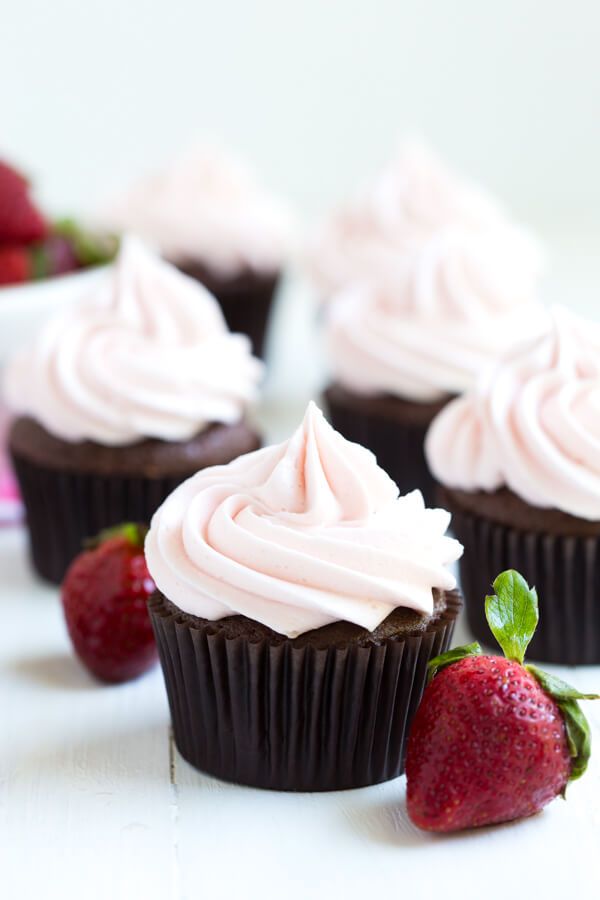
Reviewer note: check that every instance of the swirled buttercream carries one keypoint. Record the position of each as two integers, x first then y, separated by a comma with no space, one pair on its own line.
206,205
532,424
457,302
147,354
414,197
298,535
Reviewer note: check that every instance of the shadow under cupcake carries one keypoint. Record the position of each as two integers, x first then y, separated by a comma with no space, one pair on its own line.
298,603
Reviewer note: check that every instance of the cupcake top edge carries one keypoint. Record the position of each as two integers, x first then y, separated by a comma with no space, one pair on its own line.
531,424
145,354
207,206
432,336
299,535
414,196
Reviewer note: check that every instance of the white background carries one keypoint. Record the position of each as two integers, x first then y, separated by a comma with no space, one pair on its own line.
93,800
314,92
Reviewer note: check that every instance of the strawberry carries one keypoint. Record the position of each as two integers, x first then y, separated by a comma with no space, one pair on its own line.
104,596
494,739
20,220
11,181
15,265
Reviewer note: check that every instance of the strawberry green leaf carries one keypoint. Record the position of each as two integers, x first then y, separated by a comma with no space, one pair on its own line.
38,256
440,662
512,613
90,248
133,532
577,727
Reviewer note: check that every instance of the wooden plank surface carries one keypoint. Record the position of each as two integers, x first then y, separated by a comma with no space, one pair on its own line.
95,802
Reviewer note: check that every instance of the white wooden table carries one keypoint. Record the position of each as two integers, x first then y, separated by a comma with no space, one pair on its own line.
96,803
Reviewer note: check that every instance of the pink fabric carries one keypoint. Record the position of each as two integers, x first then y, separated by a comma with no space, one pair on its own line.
10,501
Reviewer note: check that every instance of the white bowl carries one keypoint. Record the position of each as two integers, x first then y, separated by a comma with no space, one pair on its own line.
25,307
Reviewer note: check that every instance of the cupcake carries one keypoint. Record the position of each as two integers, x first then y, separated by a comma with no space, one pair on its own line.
518,461
298,601
414,196
209,217
425,279
399,353
120,398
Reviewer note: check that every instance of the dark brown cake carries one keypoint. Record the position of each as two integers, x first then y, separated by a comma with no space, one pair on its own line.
556,552
393,428
71,491
245,298
327,710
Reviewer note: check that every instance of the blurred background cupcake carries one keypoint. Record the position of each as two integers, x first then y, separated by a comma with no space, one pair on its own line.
413,196
518,459
209,216
298,602
121,397
438,282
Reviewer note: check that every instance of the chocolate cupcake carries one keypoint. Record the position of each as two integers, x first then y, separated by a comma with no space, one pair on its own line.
394,368
424,280
119,399
210,218
414,196
298,602
518,460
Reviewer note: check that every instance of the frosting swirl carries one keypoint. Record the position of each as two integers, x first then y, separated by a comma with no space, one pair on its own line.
532,424
455,303
298,535
146,355
206,206
414,196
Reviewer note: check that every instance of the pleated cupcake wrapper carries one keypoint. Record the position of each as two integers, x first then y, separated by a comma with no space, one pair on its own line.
398,448
273,715
249,315
565,571
247,311
64,508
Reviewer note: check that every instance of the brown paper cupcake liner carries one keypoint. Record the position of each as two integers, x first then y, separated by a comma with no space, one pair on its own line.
63,508
297,718
564,569
398,445
245,299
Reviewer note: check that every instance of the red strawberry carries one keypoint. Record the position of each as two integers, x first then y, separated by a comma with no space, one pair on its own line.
104,596
14,265
493,739
11,181
20,221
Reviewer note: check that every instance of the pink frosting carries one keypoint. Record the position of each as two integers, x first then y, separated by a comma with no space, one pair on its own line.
146,354
299,535
412,198
206,205
456,302
532,424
